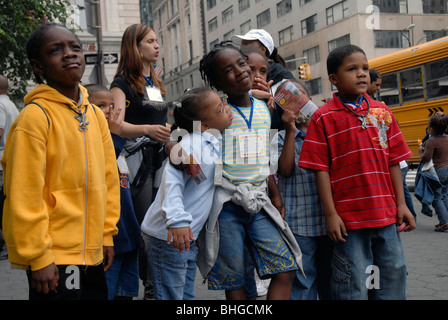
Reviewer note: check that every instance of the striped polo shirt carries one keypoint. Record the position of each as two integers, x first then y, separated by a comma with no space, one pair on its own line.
246,150
357,160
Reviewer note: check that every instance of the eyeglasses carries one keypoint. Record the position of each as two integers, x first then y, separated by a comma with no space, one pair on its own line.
220,113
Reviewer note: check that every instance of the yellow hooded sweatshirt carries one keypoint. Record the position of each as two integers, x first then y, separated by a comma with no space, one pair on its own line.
61,183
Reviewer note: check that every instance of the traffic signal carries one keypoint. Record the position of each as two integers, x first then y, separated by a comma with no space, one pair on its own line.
304,71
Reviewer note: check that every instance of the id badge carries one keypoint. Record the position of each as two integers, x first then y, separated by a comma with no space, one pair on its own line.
218,174
154,94
122,165
252,146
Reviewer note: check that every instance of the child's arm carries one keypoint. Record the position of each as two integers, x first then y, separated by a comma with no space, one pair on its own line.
335,226
276,197
403,210
286,161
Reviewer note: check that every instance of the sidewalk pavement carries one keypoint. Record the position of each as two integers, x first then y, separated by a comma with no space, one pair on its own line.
426,255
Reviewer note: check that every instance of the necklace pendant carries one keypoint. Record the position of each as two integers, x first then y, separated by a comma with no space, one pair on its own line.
363,122
82,121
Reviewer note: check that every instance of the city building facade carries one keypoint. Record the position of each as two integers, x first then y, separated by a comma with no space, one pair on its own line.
303,31
180,30
312,28
100,25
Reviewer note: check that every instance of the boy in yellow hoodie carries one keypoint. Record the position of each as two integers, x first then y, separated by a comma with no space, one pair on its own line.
60,178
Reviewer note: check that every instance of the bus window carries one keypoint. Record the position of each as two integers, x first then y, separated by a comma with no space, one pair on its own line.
412,84
436,75
390,92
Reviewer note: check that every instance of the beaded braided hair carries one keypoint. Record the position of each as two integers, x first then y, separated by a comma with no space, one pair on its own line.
207,65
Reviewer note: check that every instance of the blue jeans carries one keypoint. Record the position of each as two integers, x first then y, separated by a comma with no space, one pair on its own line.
440,202
407,194
369,265
173,272
123,277
316,258
242,233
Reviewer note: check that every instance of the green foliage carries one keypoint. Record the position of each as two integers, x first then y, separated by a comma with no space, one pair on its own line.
18,19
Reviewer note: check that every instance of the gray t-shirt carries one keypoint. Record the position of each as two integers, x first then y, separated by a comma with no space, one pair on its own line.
8,112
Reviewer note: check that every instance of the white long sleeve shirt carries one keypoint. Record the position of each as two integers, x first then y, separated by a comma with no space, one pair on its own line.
180,201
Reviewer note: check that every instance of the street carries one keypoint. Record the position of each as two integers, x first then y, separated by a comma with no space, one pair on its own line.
426,255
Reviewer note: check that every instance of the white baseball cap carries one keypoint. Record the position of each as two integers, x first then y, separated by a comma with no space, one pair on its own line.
256,34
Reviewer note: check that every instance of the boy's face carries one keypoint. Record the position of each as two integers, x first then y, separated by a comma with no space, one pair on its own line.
352,77
258,66
234,74
374,86
104,100
61,61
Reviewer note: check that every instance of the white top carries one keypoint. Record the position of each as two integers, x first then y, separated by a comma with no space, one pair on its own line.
180,201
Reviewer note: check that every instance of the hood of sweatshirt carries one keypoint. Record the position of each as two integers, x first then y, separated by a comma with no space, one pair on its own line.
44,91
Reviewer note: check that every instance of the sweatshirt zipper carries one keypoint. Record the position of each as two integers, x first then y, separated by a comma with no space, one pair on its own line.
85,198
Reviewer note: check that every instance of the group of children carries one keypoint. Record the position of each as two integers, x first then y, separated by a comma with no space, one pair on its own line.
338,176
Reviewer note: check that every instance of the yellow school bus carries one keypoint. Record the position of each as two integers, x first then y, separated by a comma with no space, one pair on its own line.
415,86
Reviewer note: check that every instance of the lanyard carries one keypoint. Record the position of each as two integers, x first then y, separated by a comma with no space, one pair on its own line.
354,103
149,80
249,122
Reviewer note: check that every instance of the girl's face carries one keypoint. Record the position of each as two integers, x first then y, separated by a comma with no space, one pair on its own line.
233,72
352,77
258,66
61,61
149,47
217,115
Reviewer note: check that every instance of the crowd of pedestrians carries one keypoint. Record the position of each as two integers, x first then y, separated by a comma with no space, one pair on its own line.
100,187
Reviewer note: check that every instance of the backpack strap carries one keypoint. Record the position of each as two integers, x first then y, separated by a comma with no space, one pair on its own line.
46,115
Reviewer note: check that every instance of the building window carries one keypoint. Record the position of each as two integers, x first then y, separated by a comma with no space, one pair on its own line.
433,35
211,4
228,35
435,6
391,39
243,5
314,86
245,27
309,25
214,43
291,62
213,24
304,2
283,7
263,19
313,55
337,12
227,15
391,6
338,42
285,35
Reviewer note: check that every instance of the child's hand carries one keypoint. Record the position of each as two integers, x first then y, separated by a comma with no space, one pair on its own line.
336,228
46,279
289,118
114,120
180,237
262,85
108,257
404,215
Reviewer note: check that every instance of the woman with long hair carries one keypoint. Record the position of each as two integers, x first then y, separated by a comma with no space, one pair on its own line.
140,93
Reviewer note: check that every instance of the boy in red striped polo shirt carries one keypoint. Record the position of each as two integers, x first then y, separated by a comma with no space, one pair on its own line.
355,145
